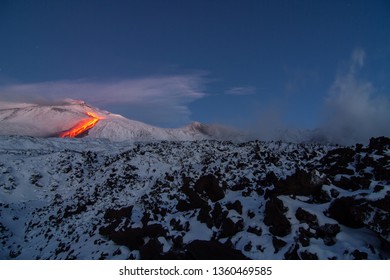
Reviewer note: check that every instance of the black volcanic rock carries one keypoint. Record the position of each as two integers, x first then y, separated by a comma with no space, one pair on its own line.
113,214
133,238
358,255
278,243
235,206
230,227
379,144
155,198
243,183
152,250
213,250
292,253
205,217
305,255
274,217
354,183
348,211
328,233
336,161
209,185
305,217
299,183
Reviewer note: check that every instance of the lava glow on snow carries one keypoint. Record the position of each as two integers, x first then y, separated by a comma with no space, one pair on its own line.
81,126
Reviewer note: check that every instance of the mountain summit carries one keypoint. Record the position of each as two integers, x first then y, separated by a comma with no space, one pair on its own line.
75,118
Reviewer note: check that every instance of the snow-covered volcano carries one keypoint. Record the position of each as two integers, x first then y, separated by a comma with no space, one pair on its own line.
55,120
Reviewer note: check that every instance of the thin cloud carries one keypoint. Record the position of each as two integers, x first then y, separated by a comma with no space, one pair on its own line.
357,59
166,98
246,90
355,111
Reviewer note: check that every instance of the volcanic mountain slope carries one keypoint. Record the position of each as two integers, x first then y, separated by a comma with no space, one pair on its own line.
58,120
94,199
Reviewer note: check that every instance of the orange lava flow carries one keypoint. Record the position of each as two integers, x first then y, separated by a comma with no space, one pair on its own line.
81,126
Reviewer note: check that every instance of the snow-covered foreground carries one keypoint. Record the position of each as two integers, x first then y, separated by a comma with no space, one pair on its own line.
95,199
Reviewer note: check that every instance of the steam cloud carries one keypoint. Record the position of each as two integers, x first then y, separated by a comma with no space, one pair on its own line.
160,100
354,112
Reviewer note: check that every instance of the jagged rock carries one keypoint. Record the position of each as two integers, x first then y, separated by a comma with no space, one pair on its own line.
236,206
357,213
213,250
133,238
274,217
255,230
292,253
218,215
304,236
209,185
270,179
334,193
243,183
353,184
183,206
113,214
152,250
328,233
305,255
348,211
278,244
299,183
378,188
230,227
69,211
358,255
336,161
305,217
379,144
204,216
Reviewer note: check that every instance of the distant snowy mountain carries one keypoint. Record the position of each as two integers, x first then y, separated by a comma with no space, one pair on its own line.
63,198
52,120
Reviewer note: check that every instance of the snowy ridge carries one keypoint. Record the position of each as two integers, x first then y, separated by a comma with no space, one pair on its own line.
96,199
50,120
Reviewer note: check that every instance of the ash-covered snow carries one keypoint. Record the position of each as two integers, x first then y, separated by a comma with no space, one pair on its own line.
96,199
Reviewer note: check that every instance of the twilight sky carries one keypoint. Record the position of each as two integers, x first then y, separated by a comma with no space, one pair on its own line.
244,63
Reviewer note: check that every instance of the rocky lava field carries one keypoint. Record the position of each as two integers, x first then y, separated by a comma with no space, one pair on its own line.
96,199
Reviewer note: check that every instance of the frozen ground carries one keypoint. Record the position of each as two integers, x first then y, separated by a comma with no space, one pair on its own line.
96,199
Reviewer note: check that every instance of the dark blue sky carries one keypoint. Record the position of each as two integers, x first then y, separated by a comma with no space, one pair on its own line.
171,62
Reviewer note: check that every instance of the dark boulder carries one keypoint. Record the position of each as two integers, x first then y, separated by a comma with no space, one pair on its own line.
278,244
213,250
209,185
352,184
299,183
152,250
255,230
113,214
274,217
379,144
133,238
305,255
359,255
230,227
292,253
306,217
348,211
235,206
328,233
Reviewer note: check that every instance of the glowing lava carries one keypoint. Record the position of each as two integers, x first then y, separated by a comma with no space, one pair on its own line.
81,126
